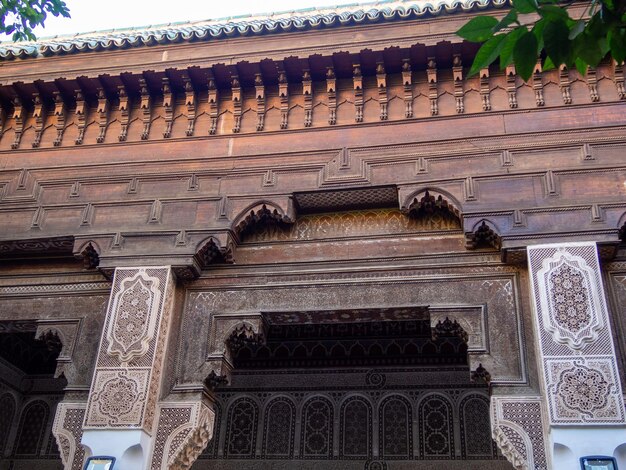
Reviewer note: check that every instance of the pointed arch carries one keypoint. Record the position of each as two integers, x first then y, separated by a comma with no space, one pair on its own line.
241,430
317,428
355,427
262,212
395,428
436,421
280,424
8,406
484,234
31,429
429,201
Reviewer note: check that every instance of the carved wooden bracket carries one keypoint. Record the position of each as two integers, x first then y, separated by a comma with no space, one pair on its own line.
59,116
39,114
484,89
407,82
538,84
259,89
429,201
381,83
431,74
81,116
307,91
103,115
168,106
592,83
283,94
357,80
511,87
213,105
145,105
190,103
124,108
457,74
237,104
331,90
564,84
618,73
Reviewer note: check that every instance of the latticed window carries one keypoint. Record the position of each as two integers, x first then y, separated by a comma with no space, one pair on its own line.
242,428
7,410
476,428
435,417
396,429
31,430
317,428
356,428
279,421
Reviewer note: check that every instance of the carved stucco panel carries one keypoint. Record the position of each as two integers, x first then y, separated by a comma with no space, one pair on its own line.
184,429
583,389
580,375
517,428
570,308
68,431
118,398
134,314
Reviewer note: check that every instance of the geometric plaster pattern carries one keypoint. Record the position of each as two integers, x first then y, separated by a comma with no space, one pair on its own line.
579,366
68,431
131,356
184,430
517,428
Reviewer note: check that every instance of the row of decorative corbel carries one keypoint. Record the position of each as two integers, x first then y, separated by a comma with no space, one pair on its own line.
122,99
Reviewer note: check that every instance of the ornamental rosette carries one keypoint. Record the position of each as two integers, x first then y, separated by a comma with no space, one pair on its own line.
583,389
570,308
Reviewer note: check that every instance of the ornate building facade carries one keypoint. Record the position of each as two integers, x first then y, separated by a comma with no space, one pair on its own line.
309,240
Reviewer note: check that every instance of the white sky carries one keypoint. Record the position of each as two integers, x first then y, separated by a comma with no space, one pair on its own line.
94,15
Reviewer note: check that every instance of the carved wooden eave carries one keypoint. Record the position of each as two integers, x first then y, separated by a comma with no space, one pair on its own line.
261,213
484,235
429,201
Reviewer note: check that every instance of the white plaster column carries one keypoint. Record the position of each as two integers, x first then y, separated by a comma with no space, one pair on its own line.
120,415
581,388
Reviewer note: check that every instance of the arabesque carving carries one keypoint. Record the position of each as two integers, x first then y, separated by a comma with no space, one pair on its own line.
133,316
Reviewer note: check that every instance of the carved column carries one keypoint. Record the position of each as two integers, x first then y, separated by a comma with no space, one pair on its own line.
120,415
580,381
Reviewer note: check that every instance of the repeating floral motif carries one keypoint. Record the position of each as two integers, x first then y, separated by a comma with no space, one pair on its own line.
571,298
575,340
569,307
133,316
126,383
117,398
583,390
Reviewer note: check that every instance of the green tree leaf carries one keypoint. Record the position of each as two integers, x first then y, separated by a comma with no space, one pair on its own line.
478,29
487,53
578,28
525,6
525,55
509,18
557,44
506,53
